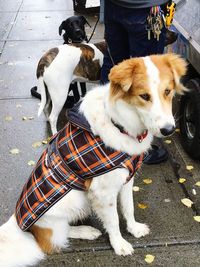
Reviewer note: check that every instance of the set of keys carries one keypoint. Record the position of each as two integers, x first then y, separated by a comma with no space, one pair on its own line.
155,22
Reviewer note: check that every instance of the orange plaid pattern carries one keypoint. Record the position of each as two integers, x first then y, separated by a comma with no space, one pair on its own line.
72,156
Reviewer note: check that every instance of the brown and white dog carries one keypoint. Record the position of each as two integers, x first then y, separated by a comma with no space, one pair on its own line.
61,66
138,98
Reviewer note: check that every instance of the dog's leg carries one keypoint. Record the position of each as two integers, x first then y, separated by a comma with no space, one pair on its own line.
127,208
51,233
83,232
103,197
58,95
57,105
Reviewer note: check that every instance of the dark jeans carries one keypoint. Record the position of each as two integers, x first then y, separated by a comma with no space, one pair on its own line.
126,36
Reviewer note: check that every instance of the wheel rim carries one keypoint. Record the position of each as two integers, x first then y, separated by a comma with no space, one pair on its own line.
189,119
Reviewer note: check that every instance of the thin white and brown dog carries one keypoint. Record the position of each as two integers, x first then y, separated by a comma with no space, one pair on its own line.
138,100
61,66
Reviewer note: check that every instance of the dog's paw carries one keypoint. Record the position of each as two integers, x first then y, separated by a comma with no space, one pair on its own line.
92,233
122,247
84,232
139,229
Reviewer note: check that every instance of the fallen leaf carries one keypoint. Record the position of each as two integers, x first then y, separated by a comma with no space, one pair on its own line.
177,130
168,141
197,183
182,180
167,200
189,167
25,118
149,258
196,218
194,192
147,181
142,206
45,142
14,151
36,144
8,118
187,202
30,118
136,188
31,162
11,63
18,106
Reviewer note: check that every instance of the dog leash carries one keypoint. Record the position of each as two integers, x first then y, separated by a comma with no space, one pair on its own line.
93,30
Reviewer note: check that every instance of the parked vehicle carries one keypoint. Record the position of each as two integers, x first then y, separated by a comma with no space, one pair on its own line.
187,24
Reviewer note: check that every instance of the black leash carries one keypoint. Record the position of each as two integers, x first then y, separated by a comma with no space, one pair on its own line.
93,30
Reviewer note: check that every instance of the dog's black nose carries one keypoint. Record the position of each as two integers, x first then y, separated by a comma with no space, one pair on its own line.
167,130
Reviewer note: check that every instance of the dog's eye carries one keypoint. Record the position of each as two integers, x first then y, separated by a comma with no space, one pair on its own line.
146,97
167,92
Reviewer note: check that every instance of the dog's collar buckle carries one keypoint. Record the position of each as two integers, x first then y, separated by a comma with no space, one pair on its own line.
141,137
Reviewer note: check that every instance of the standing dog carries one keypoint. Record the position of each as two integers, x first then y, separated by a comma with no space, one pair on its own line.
97,152
74,32
61,66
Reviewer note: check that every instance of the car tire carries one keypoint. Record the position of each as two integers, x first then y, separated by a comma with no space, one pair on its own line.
190,119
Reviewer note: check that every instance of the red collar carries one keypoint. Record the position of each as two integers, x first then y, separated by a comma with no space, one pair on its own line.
140,137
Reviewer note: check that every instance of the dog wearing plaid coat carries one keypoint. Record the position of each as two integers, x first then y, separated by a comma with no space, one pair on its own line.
125,114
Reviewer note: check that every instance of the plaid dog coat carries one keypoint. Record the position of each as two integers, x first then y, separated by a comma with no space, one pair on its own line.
73,155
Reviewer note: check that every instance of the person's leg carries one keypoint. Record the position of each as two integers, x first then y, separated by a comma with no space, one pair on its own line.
136,24
116,38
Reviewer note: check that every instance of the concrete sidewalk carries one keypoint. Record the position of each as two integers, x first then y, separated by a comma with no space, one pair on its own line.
27,30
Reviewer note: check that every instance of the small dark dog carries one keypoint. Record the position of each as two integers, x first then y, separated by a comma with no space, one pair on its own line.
74,28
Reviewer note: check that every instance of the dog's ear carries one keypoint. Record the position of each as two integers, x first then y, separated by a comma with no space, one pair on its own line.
121,77
84,21
61,27
179,67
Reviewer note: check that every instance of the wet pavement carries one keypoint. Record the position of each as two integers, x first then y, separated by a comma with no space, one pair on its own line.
27,30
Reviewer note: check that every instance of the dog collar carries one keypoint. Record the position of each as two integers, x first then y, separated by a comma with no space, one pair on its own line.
139,137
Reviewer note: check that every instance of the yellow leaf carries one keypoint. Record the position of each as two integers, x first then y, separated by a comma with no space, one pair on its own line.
187,202
31,163
14,151
8,118
37,144
177,130
136,188
182,180
147,181
189,167
142,206
149,258
44,142
197,183
196,218
168,141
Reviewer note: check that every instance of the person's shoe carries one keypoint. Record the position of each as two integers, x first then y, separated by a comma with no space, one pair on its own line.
156,155
171,37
